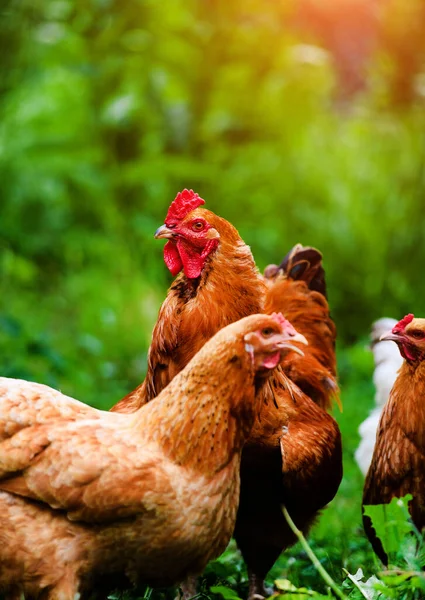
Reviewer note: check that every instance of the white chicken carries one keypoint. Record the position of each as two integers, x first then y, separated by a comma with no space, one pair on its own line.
387,363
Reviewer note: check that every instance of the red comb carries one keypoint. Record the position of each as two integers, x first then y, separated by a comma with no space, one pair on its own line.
402,324
183,203
279,318
286,325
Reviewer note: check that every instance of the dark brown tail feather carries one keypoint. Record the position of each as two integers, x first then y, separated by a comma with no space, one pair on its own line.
302,263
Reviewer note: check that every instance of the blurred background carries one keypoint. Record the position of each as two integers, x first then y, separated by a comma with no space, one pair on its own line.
296,120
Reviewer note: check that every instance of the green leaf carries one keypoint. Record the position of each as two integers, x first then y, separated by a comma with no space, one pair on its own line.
225,592
299,594
391,522
396,579
294,593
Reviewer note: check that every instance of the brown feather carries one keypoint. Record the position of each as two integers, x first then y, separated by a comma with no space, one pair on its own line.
398,462
308,311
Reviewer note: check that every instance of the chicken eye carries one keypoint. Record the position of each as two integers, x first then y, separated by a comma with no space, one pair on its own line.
198,225
417,334
267,332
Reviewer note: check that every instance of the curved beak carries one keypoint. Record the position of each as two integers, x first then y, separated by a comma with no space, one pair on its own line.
298,337
164,232
389,336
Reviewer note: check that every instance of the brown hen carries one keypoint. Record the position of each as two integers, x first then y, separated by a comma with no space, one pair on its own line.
91,500
398,461
297,463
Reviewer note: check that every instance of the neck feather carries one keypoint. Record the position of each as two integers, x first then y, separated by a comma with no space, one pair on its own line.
228,289
406,405
203,417
230,280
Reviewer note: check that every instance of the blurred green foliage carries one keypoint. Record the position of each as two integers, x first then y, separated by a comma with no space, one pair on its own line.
108,109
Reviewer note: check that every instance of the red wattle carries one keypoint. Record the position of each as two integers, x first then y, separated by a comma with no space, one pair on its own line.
183,255
172,258
406,352
192,261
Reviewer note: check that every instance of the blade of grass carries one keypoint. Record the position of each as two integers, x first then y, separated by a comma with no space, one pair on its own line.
321,570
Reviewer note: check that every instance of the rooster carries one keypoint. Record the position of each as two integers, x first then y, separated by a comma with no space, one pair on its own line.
387,360
89,499
216,263
293,455
398,462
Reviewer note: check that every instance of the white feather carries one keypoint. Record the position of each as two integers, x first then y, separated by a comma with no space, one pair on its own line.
388,361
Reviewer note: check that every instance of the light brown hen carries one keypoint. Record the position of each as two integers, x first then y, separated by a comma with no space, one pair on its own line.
92,501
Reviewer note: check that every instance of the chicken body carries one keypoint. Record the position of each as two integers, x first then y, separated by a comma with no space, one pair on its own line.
398,462
190,316
90,499
297,465
293,455
298,289
388,361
